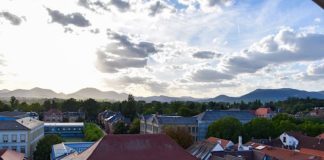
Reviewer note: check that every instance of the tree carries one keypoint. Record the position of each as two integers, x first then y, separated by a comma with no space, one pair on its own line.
135,127
70,105
260,128
120,128
180,135
226,128
92,132
91,109
14,102
185,111
44,146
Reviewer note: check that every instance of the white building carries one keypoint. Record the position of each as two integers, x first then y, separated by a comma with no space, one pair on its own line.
20,135
288,141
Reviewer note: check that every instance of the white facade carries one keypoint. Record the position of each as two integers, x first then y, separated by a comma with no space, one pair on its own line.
288,140
22,140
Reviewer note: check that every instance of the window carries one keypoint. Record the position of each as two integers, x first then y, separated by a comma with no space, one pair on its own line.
14,138
22,138
14,148
22,149
5,138
5,147
284,139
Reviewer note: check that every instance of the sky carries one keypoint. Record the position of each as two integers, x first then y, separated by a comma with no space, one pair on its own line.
199,48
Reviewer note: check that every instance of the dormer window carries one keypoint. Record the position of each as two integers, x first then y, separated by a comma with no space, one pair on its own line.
284,139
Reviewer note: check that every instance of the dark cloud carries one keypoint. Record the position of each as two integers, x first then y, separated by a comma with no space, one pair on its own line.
209,75
93,6
156,8
121,5
76,19
284,47
13,19
108,64
122,46
123,53
205,55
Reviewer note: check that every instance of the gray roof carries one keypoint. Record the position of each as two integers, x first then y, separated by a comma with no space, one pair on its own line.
176,120
11,125
213,115
13,114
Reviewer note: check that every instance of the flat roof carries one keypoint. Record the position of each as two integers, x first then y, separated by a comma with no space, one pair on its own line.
65,124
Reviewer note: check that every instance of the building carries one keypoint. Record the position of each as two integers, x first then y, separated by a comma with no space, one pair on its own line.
317,112
20,135
53,115
64,149
108,118
135,147
321,136
73,116
17,114
154,124
208,117
265,152
6,154
264,112
202,149
65,129
110,122
296,140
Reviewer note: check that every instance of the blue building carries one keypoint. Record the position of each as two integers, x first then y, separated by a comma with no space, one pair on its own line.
61,150
206,118
65,129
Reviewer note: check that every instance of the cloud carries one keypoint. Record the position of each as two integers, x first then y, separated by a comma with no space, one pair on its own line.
285,47
76,19
148,83
120,4
159,7
108,64
209,75
123,53
93,6
13,19
205,55
214,5
314,72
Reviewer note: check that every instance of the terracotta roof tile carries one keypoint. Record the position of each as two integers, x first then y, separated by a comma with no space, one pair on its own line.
214,140
312,152
10,155
262,111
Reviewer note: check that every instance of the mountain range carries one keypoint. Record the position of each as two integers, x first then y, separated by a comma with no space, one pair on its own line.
258,94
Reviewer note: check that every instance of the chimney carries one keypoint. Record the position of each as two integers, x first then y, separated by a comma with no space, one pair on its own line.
240,141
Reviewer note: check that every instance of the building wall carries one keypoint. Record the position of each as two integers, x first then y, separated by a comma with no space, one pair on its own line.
154,128
19,145
34,136
65,131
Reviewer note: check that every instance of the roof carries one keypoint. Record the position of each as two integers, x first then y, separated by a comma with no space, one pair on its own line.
262,111
12,125
14,114
6,154
201,149
213,115
321,136
136,147
67,124
53,111
304,141
29,122
173,120
222,142
64,149
278,153
312,152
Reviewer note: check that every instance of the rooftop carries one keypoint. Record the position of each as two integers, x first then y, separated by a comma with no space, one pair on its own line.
63,149
212,115
30,123
26,123
68,124
262,111
14,114
135,147
6,154
279,153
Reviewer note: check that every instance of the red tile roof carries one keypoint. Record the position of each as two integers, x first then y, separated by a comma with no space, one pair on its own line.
280,153
136,147
214,140
262,111
312,152
6,154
